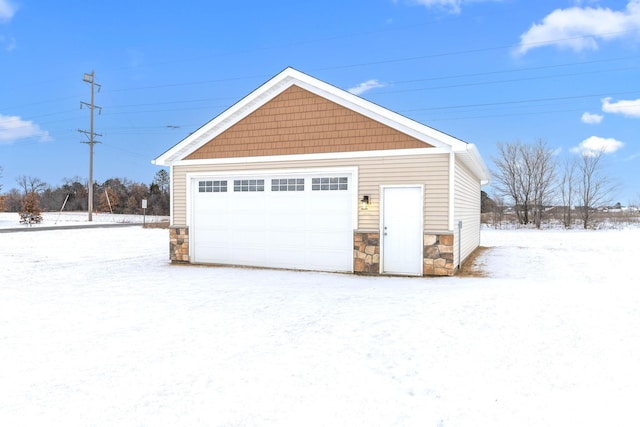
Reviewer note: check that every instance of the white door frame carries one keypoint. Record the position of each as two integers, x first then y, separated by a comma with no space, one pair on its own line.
418,268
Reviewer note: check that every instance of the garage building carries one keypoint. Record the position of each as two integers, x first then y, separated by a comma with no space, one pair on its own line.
302,175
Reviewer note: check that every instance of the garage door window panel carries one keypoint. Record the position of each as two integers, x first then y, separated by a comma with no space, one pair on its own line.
334,183
287,184
248,185
212,186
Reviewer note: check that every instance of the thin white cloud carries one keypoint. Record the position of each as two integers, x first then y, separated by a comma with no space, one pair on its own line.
591,118
7,43
13,128
629,108
452,6
365,87
595,145
7,10
633,156
581,28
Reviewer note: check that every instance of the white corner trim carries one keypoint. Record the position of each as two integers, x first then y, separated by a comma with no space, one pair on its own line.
171,219
452,190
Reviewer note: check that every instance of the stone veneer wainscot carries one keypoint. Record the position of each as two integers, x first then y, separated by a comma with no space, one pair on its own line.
437,254
179,244
366,253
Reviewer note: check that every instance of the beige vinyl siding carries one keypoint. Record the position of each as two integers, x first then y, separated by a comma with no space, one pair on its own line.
431,170
467,210
178,193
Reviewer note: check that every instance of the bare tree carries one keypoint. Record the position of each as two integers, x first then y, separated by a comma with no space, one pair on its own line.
525,174
568,188
508,179
137,192
635,204
498,212
595,189
13,200
634,207
542,168
30,184
77,189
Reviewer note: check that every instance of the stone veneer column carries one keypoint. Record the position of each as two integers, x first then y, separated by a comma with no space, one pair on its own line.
366,253
438,255
179,244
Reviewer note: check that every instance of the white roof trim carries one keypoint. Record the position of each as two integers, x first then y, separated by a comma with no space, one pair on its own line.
290,77
472,159
315,156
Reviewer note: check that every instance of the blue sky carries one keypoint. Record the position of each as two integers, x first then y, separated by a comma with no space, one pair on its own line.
485,71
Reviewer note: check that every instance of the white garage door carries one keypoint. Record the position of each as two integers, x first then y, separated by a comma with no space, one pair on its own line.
283,221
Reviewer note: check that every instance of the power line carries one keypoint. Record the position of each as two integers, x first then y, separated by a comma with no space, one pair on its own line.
224,80
517,70
264,76
524,101
116,107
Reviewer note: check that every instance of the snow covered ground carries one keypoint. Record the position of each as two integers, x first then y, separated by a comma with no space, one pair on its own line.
56,219
98,329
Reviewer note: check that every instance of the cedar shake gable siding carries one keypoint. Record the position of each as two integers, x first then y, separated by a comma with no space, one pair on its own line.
300,122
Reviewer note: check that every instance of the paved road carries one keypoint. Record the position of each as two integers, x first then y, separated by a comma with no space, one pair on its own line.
69,227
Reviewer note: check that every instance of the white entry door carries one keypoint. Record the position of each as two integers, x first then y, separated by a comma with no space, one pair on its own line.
402,234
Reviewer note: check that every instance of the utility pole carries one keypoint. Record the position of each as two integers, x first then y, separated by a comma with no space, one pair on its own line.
90,78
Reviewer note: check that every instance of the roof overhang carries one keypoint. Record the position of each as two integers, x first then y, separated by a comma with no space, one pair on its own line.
472,159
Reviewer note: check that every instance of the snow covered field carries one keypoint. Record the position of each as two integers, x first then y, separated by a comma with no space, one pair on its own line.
98,329
55,219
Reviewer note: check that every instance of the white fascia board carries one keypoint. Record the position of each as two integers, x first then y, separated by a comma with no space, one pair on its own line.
318,156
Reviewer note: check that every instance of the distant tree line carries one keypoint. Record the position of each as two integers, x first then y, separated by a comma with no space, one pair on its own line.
533,184
116,195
